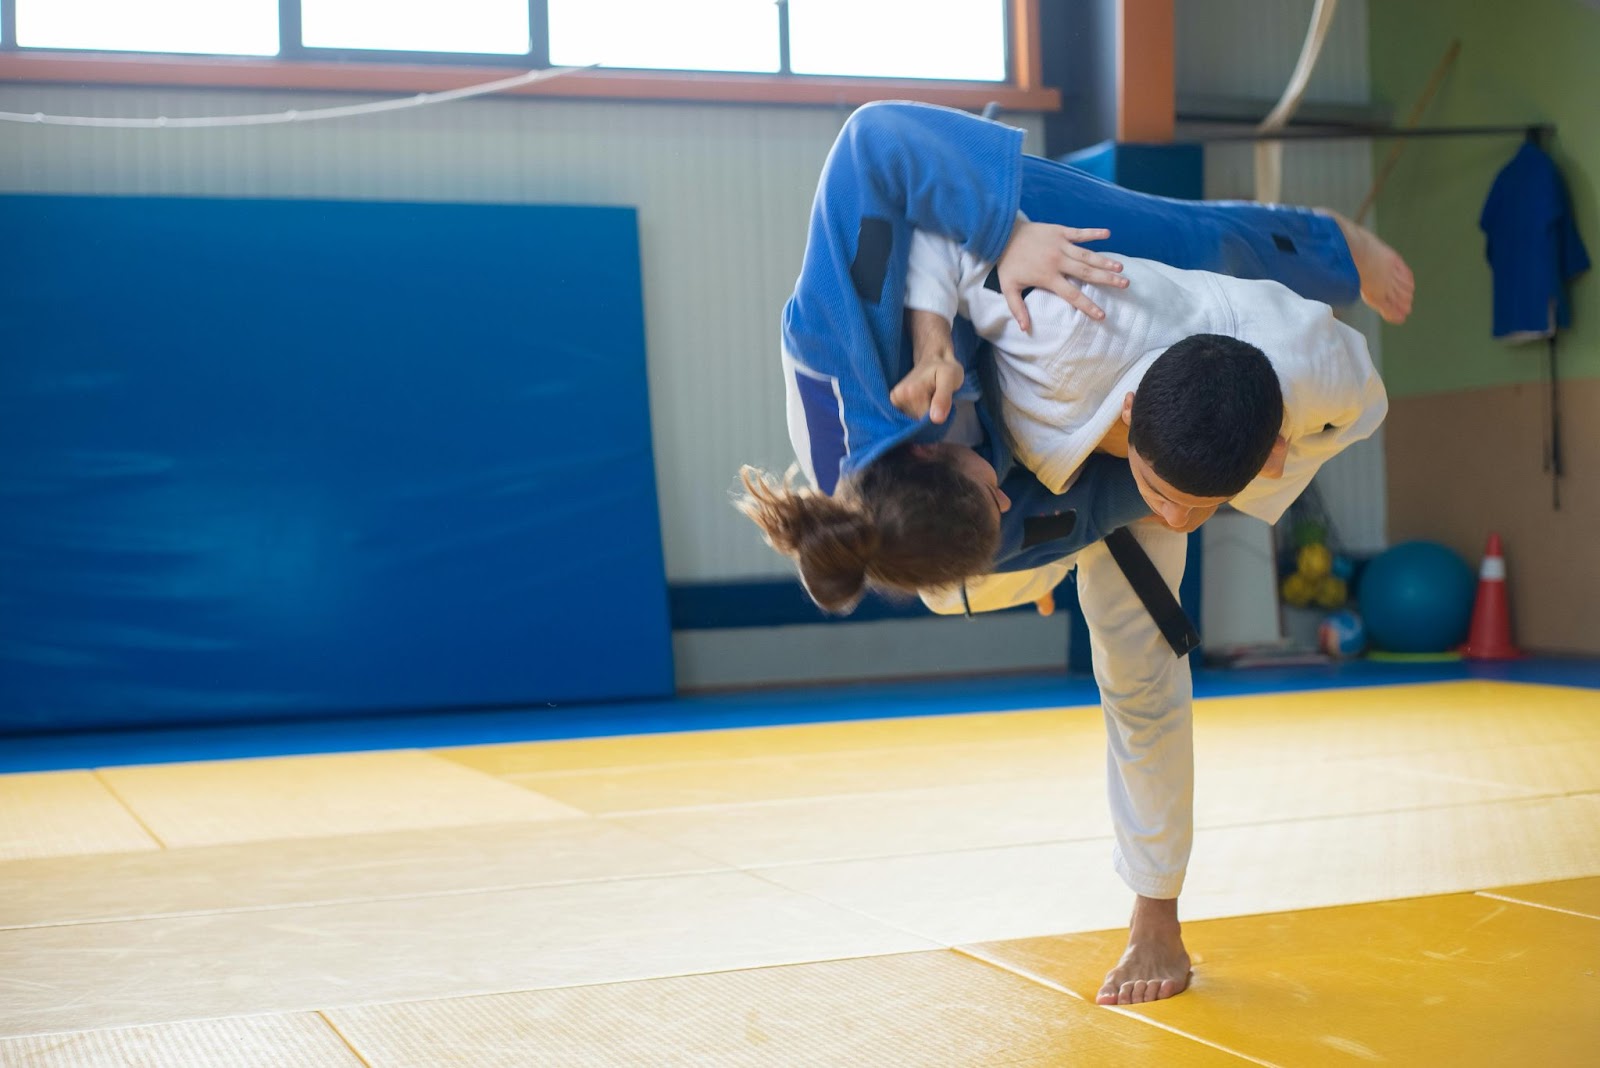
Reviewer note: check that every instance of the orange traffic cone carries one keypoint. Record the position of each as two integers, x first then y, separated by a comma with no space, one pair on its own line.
1490,636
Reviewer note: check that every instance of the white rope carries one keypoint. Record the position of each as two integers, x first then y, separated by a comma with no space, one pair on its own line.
1269,154
314,115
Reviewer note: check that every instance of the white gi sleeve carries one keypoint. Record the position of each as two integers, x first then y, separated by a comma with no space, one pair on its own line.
1343,416
933,275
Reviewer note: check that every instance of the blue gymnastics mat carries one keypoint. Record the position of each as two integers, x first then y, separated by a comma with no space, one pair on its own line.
291,459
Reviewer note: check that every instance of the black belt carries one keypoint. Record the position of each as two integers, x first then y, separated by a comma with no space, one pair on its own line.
1153,591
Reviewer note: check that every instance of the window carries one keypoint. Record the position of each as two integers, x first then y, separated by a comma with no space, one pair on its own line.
237,27
661,35
961,40
489,27
961,53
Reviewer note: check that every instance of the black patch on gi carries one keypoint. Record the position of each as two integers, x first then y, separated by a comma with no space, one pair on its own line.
1042,528
993,282
871,265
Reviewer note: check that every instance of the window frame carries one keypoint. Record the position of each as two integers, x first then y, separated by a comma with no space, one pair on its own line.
299,67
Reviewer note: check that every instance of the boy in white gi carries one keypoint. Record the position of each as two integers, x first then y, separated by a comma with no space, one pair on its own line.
1068,388
903,501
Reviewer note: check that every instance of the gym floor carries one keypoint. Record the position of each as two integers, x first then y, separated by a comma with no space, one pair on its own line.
1395,865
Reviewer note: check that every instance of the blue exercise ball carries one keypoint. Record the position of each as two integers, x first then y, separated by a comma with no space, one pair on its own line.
1417,598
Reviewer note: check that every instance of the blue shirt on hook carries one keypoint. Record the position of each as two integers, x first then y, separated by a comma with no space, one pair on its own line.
1533,247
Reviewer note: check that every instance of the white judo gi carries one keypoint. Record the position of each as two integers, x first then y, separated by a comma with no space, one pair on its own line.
1061,390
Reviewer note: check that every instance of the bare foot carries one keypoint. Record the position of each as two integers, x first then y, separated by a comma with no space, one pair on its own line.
1387,284
1155,964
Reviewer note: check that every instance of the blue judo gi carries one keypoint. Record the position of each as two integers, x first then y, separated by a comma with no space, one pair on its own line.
900,167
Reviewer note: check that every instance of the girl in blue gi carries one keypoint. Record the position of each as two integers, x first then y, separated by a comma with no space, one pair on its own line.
898,168
928,499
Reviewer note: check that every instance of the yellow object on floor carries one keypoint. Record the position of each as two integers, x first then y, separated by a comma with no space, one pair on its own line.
1404,875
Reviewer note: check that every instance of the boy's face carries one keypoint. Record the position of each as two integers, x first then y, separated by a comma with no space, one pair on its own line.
1175,508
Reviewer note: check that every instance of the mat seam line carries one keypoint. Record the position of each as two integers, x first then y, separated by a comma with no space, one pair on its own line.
1121,1010
1536,905
322,1014
116,795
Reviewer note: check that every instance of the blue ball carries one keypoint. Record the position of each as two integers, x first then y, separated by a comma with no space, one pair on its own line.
1417,598
1342,634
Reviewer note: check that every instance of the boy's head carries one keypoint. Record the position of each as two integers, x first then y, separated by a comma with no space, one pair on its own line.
1202,423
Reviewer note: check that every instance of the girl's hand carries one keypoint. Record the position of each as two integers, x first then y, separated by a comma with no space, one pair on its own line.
1046,256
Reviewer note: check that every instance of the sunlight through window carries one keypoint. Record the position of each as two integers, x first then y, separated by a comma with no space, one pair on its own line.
495,27
730,35
957,39
234,27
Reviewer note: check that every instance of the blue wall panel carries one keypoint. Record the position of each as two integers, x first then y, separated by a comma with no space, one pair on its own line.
266,458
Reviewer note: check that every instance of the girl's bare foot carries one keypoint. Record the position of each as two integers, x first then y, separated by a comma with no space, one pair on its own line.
1387,285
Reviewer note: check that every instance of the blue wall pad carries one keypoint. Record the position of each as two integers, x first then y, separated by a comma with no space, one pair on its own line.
262,459
1166,170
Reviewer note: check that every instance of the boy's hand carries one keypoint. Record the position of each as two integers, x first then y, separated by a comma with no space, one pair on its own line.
936,374
1046,256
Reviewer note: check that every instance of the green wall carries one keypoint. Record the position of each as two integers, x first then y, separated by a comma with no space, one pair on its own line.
1520,61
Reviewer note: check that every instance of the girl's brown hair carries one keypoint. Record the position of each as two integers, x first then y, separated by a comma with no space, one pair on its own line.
911,520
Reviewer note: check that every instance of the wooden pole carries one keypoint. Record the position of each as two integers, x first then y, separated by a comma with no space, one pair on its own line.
1436,80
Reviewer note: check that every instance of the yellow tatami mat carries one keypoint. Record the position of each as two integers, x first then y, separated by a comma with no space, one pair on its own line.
61,813
1463,980
1050,726
301,797
887,823
300,1041
1405,875
1393,721
923,1010
777,778
311,871
313,957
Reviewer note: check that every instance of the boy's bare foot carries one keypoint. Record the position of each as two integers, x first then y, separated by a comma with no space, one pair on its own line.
1387,285
1155,964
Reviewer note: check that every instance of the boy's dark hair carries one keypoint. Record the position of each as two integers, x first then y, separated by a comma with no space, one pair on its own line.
1206,415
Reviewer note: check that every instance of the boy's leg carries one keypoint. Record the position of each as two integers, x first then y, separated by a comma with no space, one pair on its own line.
1146,694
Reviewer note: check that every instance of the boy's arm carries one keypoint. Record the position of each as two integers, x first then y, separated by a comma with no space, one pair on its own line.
933,275
1267,497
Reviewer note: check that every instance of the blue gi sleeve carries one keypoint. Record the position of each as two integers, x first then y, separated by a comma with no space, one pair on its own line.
895,168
